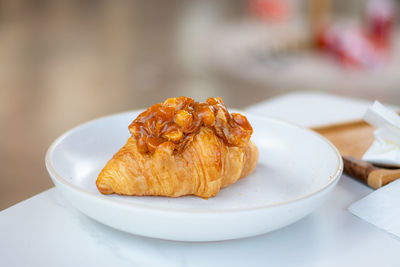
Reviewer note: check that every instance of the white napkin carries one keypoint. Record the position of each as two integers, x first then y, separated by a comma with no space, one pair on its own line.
386,148
381,208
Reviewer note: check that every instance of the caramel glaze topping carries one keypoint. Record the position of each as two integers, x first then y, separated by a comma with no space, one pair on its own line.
179,119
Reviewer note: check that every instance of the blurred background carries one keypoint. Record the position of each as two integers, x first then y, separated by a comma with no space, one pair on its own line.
65,62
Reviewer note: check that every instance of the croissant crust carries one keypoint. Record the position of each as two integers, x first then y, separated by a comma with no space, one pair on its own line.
202,169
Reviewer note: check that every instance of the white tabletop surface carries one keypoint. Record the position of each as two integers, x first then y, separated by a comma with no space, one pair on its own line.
46,231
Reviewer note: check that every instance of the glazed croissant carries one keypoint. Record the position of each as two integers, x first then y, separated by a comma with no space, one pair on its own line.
178,157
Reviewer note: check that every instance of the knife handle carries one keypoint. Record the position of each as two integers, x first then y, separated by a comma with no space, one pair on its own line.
369,174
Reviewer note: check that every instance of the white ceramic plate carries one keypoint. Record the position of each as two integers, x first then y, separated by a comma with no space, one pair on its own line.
296,171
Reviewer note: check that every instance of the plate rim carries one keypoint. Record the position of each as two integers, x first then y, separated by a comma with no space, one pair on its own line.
57,177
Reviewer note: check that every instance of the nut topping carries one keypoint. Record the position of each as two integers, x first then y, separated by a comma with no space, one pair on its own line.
178,120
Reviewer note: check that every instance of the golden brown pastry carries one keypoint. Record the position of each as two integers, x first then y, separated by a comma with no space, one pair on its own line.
181,147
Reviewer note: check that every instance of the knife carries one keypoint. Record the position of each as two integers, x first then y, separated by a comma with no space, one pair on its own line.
369,174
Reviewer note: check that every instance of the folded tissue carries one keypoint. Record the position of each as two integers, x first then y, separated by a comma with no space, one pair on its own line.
385,150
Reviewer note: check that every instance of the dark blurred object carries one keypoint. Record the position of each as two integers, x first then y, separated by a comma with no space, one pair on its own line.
318,11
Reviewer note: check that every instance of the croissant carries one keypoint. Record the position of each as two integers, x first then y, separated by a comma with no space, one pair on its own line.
181,147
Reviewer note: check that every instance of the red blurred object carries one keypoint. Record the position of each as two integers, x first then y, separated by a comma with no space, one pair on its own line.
351,46
380,18
356,46
274,10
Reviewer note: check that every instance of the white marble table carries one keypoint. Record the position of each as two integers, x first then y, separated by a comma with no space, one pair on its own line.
46,231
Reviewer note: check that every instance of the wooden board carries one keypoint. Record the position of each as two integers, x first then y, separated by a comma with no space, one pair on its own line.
351,139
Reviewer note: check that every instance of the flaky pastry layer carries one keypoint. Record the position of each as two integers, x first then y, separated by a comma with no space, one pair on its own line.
202,169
